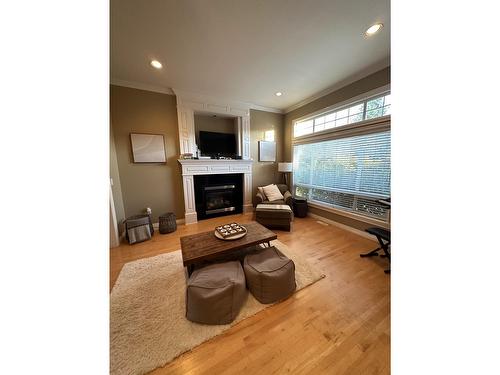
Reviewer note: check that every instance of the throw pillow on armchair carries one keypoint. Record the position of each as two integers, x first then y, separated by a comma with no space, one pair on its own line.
287,196
272,192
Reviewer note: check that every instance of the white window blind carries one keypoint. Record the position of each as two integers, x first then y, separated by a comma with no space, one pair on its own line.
349,173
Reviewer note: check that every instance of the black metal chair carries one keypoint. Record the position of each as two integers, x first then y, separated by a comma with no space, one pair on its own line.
384,239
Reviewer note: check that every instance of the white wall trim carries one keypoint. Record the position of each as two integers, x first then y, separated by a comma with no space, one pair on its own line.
142,86
343,226
337,86
350,215
211,104
193,167
189,103
266,109
220,105
113,225
377,125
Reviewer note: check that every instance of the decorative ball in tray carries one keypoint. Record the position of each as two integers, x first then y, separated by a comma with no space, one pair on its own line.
231,231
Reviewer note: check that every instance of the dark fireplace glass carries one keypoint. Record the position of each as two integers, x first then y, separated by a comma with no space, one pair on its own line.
218,195
219,199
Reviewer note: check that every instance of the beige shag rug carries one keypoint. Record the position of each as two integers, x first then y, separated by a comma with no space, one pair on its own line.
148,327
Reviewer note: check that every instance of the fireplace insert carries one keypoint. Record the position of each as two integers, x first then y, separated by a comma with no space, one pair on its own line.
218,195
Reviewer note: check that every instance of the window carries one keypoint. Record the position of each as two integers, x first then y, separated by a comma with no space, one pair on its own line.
349,173
364,110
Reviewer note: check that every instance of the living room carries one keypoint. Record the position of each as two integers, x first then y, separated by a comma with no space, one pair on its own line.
226,163
216,184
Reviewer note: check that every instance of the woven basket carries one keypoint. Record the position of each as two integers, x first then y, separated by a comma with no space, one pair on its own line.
167,223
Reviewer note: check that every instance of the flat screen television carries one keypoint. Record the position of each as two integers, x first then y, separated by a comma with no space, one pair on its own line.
217,144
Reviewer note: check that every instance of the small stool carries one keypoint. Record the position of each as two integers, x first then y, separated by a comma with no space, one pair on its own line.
300,206
384,239
138,228
167,223
215,293
270,275
274,216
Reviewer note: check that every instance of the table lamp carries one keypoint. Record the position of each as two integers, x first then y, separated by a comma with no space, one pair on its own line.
285,168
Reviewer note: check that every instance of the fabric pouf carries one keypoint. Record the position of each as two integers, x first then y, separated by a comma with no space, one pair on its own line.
274,216
215,293
270,275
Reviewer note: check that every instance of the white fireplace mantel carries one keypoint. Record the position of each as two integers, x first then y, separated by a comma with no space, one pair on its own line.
188,104
192,167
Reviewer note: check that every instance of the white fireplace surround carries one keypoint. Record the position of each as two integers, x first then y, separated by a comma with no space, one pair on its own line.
190,168
187,105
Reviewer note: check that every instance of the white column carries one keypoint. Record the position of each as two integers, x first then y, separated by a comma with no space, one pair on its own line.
247,193
237,131
190,215
185,119
245,137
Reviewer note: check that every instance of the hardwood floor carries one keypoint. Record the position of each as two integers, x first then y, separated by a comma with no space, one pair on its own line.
339,325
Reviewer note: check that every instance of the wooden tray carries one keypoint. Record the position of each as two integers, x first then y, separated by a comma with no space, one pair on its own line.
234,237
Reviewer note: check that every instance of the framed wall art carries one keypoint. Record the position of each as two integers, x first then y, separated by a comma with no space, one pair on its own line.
267,151
148,148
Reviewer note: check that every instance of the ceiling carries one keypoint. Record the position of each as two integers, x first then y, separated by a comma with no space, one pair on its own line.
247,50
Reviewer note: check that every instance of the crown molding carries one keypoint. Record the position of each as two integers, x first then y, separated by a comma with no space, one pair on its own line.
266,109
170,91
205,98
338,86
142,86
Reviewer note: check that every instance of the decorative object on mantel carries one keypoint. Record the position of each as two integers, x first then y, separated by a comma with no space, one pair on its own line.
148,307
267,151
148,148
231,231
285,168
186,156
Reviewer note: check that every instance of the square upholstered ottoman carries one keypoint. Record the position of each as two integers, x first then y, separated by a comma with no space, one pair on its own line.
278,216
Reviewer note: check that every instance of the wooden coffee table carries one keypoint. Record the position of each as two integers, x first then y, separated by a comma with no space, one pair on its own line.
205,246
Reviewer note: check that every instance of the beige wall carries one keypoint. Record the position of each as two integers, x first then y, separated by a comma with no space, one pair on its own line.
158,186
373,81
265,173
209,123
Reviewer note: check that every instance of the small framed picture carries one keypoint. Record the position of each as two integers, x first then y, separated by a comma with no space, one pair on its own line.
267,151
148,148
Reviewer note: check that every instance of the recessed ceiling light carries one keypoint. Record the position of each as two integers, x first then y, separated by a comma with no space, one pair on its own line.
156,64
374,28
279,93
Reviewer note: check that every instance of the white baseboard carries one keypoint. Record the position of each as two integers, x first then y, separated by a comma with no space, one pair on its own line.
247,208
343,226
